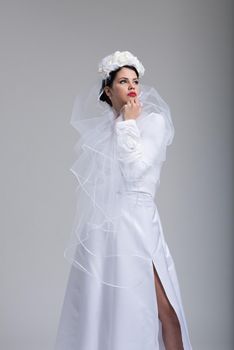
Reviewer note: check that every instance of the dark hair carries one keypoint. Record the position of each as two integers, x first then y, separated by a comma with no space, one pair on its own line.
109,82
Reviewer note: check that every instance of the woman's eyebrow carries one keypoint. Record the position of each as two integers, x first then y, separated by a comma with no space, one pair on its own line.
127,78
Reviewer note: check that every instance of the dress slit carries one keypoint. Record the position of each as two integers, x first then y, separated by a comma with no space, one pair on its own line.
168,298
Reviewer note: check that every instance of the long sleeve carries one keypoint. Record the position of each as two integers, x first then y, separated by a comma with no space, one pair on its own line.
139,143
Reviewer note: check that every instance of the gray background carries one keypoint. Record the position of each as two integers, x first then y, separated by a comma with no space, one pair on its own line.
49,50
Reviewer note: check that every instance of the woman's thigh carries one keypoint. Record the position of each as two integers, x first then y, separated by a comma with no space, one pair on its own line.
165,309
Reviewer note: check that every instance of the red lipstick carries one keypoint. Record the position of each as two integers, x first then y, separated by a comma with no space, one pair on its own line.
133,94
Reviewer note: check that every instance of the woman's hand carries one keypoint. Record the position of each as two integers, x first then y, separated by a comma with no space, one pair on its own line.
131,109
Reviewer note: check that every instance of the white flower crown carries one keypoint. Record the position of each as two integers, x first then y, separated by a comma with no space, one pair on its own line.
119,59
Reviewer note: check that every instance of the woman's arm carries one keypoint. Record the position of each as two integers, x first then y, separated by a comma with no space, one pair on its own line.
139,144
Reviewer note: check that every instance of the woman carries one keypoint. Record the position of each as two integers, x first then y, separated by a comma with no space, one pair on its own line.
122,292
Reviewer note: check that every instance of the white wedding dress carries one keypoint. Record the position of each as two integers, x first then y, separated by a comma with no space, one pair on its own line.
97,316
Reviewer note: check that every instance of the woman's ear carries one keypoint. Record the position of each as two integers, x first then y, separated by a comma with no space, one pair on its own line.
107,91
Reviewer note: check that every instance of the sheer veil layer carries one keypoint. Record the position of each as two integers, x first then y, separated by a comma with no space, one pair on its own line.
97,245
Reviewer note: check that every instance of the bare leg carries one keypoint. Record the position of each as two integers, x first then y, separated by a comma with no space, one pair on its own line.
171,331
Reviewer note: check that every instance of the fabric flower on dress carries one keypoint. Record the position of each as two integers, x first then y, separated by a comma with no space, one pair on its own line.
128,140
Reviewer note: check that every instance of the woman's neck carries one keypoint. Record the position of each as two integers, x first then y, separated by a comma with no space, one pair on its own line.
116,112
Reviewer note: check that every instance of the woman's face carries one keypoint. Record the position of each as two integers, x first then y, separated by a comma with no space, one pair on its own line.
125,82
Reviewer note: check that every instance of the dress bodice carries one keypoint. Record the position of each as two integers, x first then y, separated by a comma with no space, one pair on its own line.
139,144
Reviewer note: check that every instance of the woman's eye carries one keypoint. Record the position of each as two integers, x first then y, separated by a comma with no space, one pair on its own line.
124,81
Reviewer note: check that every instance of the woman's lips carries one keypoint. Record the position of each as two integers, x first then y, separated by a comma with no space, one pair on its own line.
132,94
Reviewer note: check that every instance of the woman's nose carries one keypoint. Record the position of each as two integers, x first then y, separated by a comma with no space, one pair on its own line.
131,85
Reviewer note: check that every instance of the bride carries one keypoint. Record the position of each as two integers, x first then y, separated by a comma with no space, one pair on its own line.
123,291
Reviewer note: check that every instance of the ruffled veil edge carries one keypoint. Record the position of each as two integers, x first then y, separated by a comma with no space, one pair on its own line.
97,245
